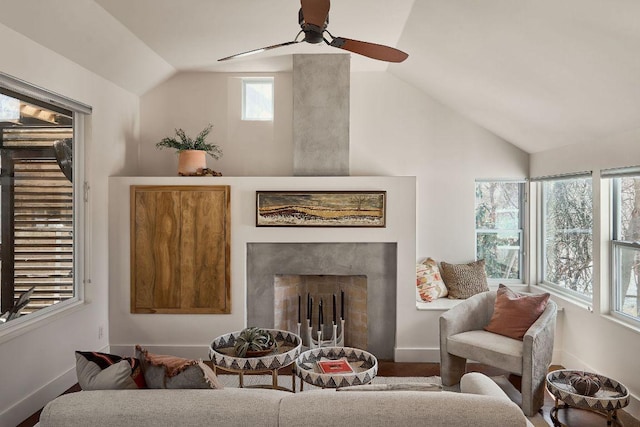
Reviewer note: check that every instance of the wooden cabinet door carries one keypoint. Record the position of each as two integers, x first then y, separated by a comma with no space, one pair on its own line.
180,247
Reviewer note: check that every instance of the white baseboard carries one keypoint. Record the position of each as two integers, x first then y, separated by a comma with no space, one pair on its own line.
36,400
432,355
425,355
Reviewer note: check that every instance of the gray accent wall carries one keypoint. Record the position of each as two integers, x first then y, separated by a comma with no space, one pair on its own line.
378,261
321,90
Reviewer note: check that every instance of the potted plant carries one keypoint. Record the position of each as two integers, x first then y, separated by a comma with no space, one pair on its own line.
254,342
192,152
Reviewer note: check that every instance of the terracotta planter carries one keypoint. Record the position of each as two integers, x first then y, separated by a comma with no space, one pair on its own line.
191,161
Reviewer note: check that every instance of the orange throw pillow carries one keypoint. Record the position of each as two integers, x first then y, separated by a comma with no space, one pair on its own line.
514,313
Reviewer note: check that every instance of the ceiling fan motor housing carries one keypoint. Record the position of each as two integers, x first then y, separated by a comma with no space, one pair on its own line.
312,34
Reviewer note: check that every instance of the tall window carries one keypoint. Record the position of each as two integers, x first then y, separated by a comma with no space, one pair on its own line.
257,98
499,230
567,235
39,201
625,243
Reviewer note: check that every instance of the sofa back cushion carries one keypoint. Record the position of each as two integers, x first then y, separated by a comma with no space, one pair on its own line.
229,407
389,408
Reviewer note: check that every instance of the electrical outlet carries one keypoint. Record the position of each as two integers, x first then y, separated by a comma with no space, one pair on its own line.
100,332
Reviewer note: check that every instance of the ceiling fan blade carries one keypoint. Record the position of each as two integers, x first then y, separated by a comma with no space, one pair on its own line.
63,149
372,50
315,11
262,49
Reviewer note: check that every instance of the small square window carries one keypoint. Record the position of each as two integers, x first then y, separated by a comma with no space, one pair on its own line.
257,98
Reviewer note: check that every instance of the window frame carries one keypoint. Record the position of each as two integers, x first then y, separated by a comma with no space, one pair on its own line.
617,244
541,210
249,80
522,263
81,232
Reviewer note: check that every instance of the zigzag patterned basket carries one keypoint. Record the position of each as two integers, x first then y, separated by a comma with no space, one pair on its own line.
611,396
222,353
364,364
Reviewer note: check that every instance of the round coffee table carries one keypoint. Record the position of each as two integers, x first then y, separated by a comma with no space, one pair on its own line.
611,396
222,354
364,367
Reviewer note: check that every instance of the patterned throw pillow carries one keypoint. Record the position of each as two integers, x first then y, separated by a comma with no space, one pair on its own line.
428,280
161,371
464,280
101,371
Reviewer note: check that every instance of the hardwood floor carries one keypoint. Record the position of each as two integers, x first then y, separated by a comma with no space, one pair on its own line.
572,417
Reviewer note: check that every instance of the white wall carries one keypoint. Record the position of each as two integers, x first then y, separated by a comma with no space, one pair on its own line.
40,364
593,340
395,130
190,335
192,100
398,130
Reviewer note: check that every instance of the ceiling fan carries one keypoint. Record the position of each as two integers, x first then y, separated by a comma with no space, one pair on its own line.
313,18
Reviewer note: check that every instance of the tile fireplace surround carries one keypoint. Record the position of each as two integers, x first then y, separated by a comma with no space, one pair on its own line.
386,255
377,261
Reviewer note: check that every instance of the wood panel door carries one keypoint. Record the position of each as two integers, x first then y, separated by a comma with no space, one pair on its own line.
180,246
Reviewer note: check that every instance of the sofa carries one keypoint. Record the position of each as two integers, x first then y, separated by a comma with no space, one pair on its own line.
480,403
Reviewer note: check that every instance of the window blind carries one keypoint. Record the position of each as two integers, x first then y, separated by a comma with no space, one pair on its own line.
620,172
42,217
573,175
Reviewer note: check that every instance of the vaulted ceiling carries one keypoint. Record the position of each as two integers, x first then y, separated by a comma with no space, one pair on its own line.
539,73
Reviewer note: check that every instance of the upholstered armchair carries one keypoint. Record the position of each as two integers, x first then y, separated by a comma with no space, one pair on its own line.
462,337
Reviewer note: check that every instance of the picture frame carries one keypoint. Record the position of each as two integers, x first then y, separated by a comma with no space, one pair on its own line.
321,208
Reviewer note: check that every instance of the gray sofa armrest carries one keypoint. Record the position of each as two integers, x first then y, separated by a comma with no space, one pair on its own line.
477,383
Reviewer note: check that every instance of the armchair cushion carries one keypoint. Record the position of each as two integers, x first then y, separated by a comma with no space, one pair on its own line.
486,347
514,313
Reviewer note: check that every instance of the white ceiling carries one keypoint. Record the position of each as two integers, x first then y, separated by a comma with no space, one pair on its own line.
539,73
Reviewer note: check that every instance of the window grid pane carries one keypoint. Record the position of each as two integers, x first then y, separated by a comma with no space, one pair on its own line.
503,249
498,209
626,248
567,235
626,276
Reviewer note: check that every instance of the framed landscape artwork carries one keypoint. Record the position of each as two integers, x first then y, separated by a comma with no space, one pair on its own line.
321,208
